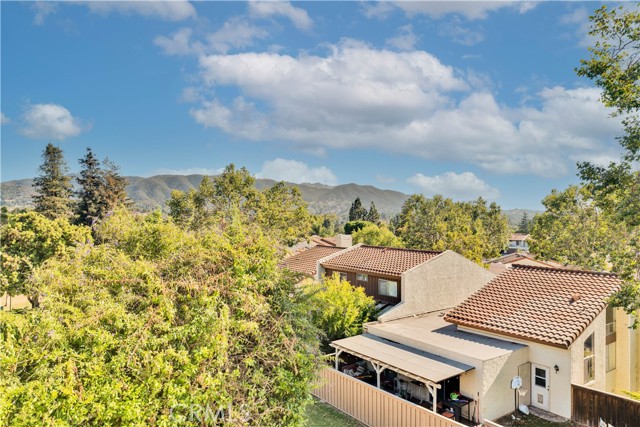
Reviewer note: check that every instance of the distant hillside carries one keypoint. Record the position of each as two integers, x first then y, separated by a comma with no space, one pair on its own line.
515,215
152,193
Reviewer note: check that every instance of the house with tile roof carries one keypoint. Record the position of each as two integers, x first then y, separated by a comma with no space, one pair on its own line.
500,264
518,243
407,281
550,327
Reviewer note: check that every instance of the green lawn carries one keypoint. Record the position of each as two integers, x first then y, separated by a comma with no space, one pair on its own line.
320,414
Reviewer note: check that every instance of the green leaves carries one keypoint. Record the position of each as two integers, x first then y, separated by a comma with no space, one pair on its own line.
157,316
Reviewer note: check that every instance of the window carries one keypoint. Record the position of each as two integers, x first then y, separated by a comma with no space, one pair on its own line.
541,377
611,321
388,288
611,356
343,276
362,278
589,360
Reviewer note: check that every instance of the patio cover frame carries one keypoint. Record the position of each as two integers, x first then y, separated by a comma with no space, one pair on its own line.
390,357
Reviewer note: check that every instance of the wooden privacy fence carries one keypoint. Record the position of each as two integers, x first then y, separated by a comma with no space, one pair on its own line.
372,406
589,407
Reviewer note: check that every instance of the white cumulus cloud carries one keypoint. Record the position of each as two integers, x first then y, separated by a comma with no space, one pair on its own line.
463,186
404,39
407,102
296,172
174,10
469,9
4,119
42,9
266,9
50,121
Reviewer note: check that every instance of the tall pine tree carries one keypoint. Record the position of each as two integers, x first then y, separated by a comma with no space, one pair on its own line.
373,215
114,187
53,186
91,192
357,212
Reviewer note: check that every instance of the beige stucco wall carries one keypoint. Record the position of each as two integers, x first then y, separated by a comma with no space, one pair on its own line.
443,282
547,356
497,397
598,328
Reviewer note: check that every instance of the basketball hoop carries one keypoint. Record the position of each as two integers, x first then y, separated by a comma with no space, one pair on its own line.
522,392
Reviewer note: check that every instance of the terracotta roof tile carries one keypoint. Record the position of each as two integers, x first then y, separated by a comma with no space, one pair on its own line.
306,261
378,259
535,304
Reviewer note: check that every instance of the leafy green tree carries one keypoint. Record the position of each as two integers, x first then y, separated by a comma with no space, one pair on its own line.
372,234
53,185
357,212
157,319
339,309
469,229
280,210
373,215
91,202
525,224
614,66
29,239
325,225
353,226
574,230
114,187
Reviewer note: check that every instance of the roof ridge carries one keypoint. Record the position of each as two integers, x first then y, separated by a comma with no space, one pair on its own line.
403,249
565,270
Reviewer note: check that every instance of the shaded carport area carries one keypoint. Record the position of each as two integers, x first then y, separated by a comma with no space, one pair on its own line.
418,365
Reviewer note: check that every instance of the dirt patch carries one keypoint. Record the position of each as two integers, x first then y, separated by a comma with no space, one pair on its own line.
518,419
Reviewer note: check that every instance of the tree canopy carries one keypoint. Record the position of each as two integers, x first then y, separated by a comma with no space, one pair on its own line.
279,210
469,228
339,309
53,185
371,234
157,318
357,212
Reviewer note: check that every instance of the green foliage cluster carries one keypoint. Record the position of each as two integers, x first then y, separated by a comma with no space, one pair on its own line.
374,235
339,309
357,212
597,225
101,189
280,210
525,225
29,239
53,186
469,228
325,225
157,316
574,230
353,226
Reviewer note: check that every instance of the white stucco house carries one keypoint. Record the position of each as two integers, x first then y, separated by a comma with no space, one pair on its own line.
551,327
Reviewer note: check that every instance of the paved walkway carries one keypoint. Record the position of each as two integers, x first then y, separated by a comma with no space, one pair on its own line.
548,416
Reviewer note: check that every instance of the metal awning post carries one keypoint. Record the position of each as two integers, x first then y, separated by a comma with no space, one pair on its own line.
379,369
338,353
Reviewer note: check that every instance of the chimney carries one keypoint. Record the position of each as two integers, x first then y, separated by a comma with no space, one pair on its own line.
344,240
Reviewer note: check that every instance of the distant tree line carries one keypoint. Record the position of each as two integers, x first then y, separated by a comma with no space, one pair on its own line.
101,188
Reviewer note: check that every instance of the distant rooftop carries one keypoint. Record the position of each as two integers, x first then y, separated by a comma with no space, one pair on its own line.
306,261
547,305
379,260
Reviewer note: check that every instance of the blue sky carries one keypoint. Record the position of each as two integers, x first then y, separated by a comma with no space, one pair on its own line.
465,99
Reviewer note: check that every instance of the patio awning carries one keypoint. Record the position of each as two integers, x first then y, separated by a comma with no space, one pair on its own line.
413,363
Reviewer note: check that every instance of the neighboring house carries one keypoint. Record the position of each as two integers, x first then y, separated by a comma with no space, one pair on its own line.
550,326
339,241
408,281
500,264
518,243
306,261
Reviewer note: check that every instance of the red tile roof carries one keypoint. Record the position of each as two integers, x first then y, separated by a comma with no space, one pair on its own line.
306,261
536,304
323,241
380,260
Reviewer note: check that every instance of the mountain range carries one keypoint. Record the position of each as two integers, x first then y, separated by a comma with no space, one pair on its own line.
153,192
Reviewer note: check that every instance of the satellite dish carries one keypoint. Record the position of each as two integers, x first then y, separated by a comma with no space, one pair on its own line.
516,382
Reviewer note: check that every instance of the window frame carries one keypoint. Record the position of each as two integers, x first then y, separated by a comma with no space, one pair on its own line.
359,277
589,359
384,284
